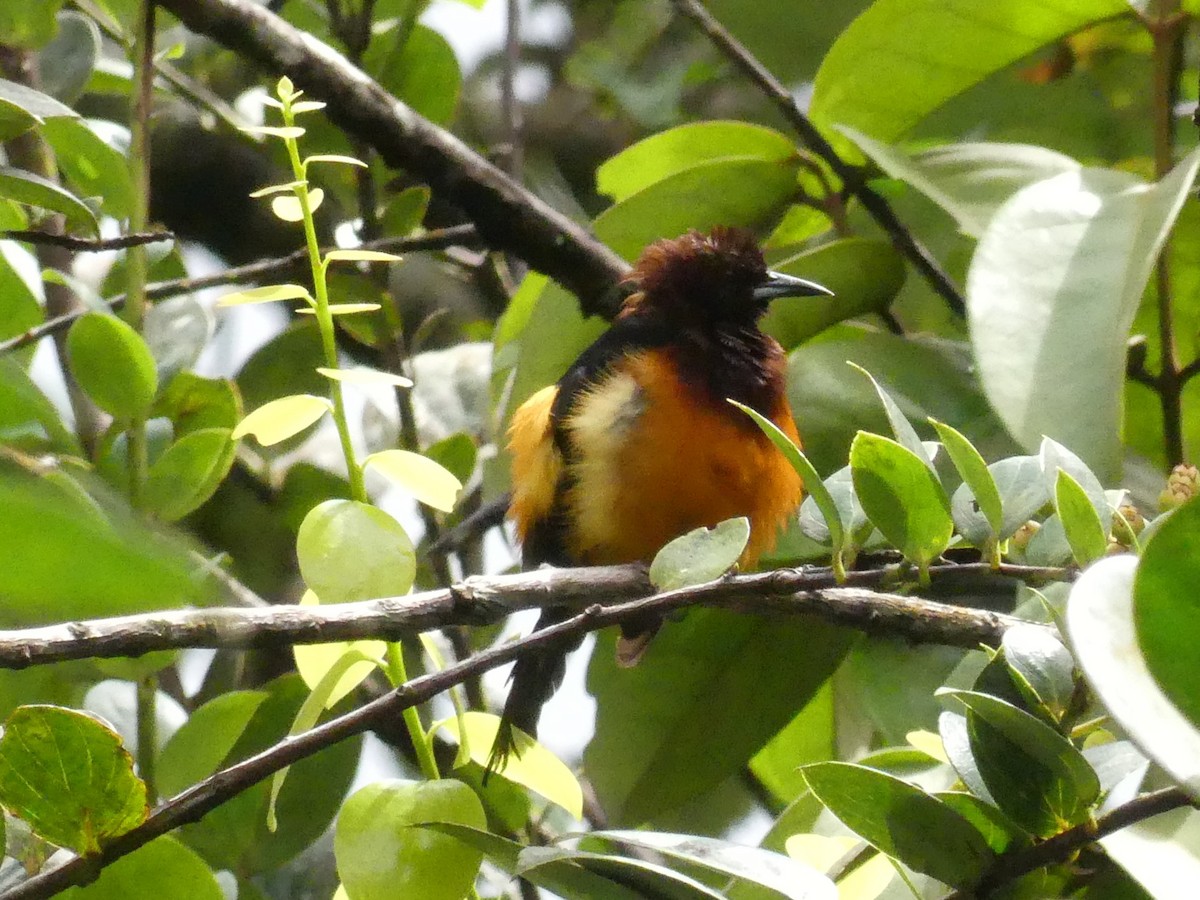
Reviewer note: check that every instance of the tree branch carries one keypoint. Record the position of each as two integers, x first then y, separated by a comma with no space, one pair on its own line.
1062,846
481,600
508,217
852,177
193,803
263,270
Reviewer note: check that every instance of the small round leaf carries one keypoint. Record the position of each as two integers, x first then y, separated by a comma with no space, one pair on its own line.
700,555
426,480
353,551
113,365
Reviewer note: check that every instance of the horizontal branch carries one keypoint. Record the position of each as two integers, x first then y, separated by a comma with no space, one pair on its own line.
86,245
509,217
482,600
195,802
262,270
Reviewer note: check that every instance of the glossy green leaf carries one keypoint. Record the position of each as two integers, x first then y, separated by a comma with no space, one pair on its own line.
1033,773
813,485
1051,294
456,453
701,555
532,765
34,190
1044,666
188,473
676,149
283,418
1000,832
195,403
840,487
353,551
777,874
164,869
711,690
415,64
383,853
902,496
69,777
419,475
1054,457
974,472
931,51
200,745
902,821
969,181
113,365
646,878
865,275
718,192
1022,491
903,430
1082,526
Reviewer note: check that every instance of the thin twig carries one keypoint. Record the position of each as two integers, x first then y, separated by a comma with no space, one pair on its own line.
87,245
256,271
481,600
1062,846
509,217
853,178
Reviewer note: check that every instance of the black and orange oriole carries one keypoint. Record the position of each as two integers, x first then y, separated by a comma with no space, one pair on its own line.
636,444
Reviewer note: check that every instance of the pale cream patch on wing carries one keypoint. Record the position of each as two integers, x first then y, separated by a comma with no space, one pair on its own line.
601,423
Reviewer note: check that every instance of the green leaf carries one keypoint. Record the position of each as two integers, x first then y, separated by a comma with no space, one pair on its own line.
415,64
778,875
1084,532
1051,295
281,419
809,737
354,551
975,474
383,853
969,181
177,331
1034,774
361,256
270,293
647,879
1022,491
164,869
672,151
931,51
719,192
363,375
188,473
901,427
700,555
113,365
840,487
709,693
65,64
92,166
356,660
813,484
405,212
425,479
69,777
14,121
201,743
29,25
1000,832
456,453
1044,666
902,496
865,275
194,403
288,209
532,765
1053,457
34,190
27,417
34,104
902,821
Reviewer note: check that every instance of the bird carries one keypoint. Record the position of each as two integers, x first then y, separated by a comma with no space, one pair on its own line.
636,443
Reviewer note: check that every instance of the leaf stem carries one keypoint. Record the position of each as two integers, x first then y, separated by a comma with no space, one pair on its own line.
323,316
147,734
398,675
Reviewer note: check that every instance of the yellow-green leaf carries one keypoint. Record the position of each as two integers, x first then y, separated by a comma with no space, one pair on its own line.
360,256
344,309
334,158
280,419
271,293
279,131
289,209
426,480
276,189
363,375
313,661
532,765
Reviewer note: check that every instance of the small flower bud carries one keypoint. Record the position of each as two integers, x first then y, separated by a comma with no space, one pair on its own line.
1023,535
1182,485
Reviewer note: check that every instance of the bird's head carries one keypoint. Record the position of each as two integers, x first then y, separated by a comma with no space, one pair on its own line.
717,279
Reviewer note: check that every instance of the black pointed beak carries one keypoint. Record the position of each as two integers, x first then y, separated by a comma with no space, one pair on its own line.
776,284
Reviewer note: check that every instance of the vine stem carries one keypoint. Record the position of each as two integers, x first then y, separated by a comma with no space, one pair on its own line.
147,735
398,675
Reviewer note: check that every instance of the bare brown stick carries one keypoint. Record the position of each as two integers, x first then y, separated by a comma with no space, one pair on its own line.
508,217
256,271
480,600
88,245
193,803
1064,845
852,177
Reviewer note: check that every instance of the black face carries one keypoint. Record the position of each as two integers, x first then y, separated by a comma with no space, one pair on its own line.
720,278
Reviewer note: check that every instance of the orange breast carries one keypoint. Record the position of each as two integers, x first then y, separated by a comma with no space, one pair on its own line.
659,458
